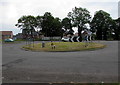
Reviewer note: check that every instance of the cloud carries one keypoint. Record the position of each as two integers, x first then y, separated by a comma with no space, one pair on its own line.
119,9
110,7
12,10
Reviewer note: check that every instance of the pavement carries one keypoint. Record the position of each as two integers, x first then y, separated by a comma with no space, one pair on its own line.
95,66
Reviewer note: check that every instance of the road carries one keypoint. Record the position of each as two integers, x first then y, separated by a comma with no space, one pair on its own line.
20,66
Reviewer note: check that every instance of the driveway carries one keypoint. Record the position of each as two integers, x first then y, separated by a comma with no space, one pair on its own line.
82,66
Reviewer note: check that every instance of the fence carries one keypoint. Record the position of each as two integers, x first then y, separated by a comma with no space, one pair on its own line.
51,38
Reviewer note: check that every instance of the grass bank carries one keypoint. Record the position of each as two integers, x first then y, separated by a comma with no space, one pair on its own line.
64,46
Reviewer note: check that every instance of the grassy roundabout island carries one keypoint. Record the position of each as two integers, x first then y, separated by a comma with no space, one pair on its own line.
64,46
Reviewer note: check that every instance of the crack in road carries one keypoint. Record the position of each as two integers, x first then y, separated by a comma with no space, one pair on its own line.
10,64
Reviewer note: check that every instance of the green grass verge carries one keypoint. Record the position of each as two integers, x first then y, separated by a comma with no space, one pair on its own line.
20,40
64,46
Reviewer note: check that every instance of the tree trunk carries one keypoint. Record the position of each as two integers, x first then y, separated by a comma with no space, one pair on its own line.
79,33
116,36
99,34
105,34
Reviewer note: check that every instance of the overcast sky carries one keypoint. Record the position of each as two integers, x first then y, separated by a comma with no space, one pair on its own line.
12,10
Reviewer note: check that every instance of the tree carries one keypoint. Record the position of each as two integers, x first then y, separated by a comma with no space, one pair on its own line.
116,29
67,25
79,16
51,26
101,24
39,21
27,24
57,27
47,24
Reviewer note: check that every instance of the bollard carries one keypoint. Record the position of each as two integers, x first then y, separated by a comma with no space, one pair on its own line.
43,44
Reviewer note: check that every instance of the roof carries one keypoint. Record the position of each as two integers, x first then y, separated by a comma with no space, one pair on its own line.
6,32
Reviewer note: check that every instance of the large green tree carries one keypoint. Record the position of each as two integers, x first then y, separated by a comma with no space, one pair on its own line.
47,23
116,29
51,26
39,21
57,27
101,24
67,25
79,16
27,24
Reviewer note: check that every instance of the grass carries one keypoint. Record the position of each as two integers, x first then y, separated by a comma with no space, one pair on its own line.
64,46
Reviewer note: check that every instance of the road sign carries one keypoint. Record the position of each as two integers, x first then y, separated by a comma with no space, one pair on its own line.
75,39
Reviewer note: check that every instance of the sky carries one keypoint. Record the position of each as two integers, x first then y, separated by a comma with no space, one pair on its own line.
12,10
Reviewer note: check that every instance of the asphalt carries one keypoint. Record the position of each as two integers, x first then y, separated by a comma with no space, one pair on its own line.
95,66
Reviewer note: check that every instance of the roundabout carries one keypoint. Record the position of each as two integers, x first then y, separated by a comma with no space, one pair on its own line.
64,46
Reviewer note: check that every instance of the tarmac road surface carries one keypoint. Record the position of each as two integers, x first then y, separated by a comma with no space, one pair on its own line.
20,66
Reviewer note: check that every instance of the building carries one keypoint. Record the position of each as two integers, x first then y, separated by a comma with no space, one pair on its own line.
6,34
25,36
19,36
